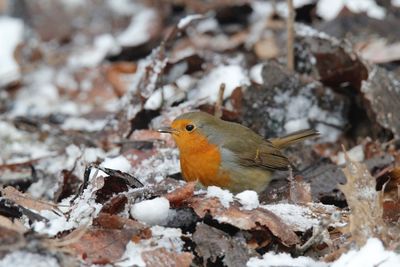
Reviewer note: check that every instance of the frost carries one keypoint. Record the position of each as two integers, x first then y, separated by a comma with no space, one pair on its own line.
297,216
118,163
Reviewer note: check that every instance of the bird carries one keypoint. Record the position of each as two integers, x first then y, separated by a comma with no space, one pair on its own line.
226,154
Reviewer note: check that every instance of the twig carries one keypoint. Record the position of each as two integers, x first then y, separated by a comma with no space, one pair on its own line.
318,234
220,100
290,36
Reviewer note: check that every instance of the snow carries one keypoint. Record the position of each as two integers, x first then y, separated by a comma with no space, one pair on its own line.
164,163
329,9
171,95
395,3
184,22
11,34
370,255
81,212
255,73
224,196
138,31
283,259
232,75
248,199
24,258
104,45
168,238
118,163
355,154
152,212
299,217
82,124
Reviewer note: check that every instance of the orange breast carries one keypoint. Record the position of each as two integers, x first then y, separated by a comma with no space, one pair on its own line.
203,164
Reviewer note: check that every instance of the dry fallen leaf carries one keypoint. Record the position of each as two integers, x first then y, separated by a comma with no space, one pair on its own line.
25,200
181,194
365,203
212,244
256,219
160,257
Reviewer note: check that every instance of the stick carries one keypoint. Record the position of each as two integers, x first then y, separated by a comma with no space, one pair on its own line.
220,100
290,36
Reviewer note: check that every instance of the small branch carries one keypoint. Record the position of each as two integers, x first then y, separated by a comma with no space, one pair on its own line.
220,101
290,36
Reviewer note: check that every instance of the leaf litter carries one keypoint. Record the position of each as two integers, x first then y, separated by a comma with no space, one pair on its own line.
85,179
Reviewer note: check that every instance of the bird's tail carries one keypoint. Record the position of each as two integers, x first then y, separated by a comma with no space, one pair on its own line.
287,140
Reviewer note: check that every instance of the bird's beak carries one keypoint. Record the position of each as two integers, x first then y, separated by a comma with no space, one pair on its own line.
166,130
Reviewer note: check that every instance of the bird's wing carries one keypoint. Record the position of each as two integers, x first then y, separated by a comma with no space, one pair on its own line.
257,152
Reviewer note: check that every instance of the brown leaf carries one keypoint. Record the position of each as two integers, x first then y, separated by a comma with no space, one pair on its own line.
10,239
25,200
160,257
115,205
180,194
256,219
212,244
365,203
107,245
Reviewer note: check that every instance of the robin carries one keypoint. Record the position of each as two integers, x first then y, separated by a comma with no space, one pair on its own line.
227,154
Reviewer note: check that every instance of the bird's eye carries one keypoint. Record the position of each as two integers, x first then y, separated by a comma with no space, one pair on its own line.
189,127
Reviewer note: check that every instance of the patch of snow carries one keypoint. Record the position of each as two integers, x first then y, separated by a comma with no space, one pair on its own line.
355,154
171,95
80,213
82,124
296,124
168,238
329,10
138,30
207,25
299,217
21,258
184,22
165,162
104,45
283,259
152,212
224,196
255,73
119,163
248,199
185,82
371,254
11,34
395,3
123,7
208,87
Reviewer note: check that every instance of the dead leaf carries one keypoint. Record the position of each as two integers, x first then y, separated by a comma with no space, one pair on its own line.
300,191
212,244
12,224
25,200
180,194
160,257
365,203
256,219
